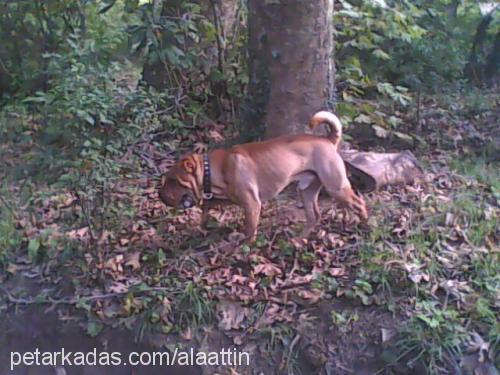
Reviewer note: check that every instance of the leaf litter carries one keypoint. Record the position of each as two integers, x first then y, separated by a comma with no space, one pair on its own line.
419,237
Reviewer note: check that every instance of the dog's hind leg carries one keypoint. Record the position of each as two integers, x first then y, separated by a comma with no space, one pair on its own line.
309,197
348,197
333,175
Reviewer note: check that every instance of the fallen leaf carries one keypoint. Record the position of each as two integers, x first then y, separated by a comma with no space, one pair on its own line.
380,131
231,315
78,234
115,263
267,269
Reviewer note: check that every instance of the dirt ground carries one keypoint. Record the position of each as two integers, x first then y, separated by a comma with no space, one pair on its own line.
324,348
28,328
334,304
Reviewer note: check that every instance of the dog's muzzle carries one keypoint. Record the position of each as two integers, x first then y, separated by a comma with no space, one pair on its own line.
187,201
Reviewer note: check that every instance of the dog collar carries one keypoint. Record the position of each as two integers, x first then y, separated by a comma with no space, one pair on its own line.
207,185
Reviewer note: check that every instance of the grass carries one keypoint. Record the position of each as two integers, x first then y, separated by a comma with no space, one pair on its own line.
283,339
461,295
193,307
442,287
10,237
480,169
428,262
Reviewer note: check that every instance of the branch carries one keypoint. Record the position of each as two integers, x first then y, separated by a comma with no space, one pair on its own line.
219,36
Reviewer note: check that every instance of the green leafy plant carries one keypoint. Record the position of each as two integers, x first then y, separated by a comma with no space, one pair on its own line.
434,335
193,307
10,236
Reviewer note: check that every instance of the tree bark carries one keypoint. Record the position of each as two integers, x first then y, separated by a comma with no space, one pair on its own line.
290,64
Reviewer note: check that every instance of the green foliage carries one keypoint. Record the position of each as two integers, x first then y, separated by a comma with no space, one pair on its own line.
434,335
80,96
10,236
367,34
385,50
78,109
185,51
420,44
90,112
31,31
161,37
193,306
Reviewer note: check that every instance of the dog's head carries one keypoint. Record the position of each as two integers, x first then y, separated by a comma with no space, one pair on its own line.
179,186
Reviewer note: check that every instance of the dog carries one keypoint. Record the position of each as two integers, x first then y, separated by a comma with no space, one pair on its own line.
251,173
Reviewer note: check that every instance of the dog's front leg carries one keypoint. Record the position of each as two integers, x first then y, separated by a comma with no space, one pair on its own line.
205,215
252,209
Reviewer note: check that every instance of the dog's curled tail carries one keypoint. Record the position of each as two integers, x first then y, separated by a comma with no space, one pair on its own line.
333,122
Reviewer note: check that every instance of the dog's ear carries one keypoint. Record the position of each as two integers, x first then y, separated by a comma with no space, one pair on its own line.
189,164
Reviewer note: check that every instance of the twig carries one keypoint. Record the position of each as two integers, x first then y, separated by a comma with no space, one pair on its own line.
198,251
290,351
219,36
75,300
237,23
118,294
347,369
31,301
85,215
293,286
271,242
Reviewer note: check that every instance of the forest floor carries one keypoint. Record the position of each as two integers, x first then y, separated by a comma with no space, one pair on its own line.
415,289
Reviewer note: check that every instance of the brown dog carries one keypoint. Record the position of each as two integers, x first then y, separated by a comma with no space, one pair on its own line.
252,173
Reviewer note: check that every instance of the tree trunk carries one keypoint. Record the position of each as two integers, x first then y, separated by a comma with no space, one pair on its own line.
290,64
